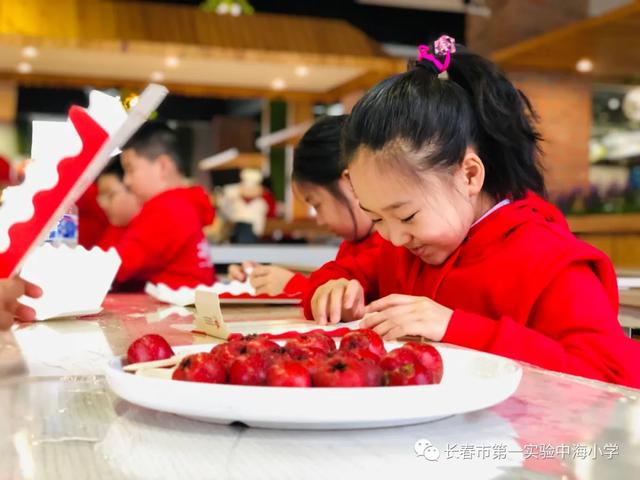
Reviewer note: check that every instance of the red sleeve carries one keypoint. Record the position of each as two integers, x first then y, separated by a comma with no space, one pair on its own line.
573,329
152,240
362,267
297,284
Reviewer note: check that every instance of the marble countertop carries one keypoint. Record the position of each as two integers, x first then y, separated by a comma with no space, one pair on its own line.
59,419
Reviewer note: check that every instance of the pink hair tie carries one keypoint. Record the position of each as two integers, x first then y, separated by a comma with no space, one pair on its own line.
444,46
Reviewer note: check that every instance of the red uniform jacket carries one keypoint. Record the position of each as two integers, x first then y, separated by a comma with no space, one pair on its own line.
299,282
92,221
521,285
111,237
164,243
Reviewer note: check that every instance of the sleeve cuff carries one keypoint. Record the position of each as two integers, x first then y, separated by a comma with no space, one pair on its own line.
297,284
470,330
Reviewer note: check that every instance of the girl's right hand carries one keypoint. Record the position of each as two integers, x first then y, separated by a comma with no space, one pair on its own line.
241,272
336,300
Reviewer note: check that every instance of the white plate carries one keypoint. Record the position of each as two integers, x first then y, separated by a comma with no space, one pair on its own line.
472,380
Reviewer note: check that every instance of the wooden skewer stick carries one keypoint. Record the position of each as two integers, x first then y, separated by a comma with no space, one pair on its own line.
167,362
165,373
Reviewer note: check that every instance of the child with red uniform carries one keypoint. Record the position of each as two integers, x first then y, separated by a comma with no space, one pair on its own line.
320,179
447,170
119,204
164,243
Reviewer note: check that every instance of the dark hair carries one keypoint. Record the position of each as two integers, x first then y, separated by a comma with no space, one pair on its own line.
317,158
154,139
434,120
114,167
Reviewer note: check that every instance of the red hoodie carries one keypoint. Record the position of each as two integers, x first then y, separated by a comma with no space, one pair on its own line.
521,285
299,282
92,221
164,243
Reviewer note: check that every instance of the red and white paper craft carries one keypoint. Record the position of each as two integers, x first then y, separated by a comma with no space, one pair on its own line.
72,161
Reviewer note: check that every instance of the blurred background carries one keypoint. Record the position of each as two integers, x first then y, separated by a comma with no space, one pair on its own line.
247,78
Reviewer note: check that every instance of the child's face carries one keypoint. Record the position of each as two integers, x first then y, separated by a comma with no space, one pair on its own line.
333,213
116,200
430,215
142,176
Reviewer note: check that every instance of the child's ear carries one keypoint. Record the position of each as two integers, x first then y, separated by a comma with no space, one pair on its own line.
345,178
167,167
473,170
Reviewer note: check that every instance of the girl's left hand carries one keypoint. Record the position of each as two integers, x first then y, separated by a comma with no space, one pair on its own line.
270,279
397,315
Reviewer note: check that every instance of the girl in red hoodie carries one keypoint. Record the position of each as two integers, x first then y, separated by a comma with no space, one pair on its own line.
446,167
320,178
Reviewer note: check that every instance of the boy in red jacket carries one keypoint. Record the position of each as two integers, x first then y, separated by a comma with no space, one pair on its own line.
164,243
446,168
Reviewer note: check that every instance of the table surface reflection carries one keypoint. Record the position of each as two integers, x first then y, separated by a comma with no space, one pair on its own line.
59,419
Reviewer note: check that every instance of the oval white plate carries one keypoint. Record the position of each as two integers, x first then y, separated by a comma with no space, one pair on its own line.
472,380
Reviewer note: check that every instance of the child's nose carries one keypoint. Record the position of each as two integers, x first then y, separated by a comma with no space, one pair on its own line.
398,238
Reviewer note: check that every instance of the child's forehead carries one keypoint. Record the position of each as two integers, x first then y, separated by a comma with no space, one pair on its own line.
133,155
106,180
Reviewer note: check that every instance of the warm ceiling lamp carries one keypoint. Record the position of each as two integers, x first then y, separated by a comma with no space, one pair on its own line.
171,61
584,65
29,51
157,76
302,71
24,67
278,84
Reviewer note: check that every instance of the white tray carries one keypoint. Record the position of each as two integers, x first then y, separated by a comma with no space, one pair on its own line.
234,292
472,381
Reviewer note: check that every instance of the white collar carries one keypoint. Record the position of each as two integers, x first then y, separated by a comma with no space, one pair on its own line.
498,205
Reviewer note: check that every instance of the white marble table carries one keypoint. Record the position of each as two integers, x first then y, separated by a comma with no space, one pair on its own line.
60,421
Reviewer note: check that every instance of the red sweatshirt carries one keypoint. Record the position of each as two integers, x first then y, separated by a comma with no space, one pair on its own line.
521,286
164,243
299,282
111,237
92,221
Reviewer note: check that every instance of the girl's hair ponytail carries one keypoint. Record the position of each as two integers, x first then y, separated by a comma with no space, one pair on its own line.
434,119
507,140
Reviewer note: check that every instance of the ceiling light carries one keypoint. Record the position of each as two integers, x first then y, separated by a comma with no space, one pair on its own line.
302,71
172,61
157,76
278,84
24,67
30,52
584,65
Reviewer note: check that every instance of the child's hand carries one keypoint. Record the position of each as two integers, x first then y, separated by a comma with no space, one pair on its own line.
397,315
10,290
240,272
270,279
337,300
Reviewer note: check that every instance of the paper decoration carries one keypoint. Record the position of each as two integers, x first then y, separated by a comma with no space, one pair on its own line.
73,154
74,281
